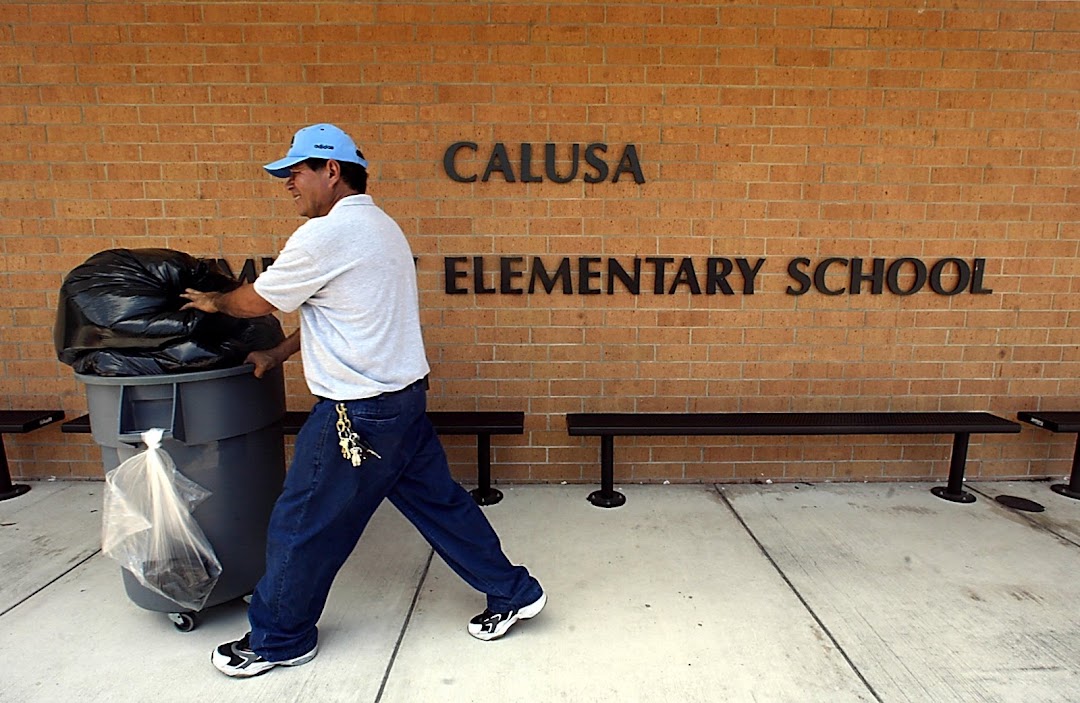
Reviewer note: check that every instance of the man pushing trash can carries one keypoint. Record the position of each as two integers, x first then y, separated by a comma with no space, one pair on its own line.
350,272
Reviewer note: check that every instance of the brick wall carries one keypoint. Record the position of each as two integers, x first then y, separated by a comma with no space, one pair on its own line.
775,130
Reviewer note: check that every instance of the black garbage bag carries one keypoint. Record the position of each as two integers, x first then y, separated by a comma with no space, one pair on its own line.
119,315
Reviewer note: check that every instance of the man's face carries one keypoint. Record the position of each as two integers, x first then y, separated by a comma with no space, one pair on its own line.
312,191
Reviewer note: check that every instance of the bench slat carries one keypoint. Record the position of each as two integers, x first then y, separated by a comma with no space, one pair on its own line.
810,423
78,425
472,422
445,422
19,421
1055,421
1064,421
465,422
608,426
482,424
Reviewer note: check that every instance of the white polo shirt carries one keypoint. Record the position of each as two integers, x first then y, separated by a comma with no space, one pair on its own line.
351,275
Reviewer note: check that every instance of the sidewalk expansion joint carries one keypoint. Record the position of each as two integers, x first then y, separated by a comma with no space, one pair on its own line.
1029,517
404,626
798,595
59,576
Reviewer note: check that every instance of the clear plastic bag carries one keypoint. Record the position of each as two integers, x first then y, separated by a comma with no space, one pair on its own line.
147,526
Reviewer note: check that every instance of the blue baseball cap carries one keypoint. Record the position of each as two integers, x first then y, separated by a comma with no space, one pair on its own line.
319,141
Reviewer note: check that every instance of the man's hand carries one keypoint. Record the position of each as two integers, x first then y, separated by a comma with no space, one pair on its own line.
270,358
263,360
207,302
241,302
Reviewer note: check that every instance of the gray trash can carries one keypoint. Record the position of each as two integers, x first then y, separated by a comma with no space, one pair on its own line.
223,430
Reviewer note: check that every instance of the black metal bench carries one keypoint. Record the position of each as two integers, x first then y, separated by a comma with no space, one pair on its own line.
607,426
1060,421
483,424
18,422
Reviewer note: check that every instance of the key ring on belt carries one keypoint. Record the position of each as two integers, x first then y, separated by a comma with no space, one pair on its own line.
353,449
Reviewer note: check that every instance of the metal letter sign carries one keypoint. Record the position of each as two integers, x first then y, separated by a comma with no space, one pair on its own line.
500,163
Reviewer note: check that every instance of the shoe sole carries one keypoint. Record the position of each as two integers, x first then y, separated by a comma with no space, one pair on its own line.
529,611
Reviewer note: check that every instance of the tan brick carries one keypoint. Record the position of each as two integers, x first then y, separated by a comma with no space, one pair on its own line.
849,131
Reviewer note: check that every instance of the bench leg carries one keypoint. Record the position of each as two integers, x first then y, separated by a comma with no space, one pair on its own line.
1072,488
607,496
954,491
7,488
484,494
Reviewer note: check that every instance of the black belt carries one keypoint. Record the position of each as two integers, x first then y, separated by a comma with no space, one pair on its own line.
421,381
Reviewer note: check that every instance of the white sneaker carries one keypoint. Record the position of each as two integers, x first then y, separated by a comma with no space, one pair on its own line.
490,625
238,660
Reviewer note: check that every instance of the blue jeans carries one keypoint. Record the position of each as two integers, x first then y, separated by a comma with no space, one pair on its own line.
326,504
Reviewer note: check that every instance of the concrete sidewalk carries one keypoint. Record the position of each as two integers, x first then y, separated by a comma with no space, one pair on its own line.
788,592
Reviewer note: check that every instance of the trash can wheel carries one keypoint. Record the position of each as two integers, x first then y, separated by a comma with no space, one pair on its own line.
185,622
